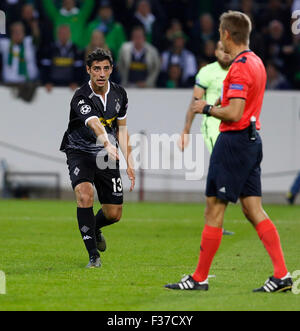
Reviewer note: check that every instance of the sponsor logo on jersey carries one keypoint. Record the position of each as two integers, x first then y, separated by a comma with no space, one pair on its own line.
107,122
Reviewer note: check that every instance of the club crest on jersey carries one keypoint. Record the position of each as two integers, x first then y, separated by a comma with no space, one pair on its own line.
76,171
85,109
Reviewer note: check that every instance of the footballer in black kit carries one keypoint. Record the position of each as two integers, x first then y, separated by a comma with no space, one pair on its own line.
97,128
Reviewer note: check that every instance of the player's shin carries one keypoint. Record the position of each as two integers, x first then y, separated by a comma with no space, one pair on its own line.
102,221
86,222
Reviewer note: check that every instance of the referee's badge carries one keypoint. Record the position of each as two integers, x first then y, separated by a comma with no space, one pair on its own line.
85,109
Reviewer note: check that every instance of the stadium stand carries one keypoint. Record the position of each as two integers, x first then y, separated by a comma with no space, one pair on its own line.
163,21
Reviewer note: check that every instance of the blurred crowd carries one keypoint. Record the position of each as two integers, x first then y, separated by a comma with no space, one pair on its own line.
154,43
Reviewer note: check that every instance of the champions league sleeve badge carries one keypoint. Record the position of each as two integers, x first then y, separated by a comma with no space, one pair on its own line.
85,109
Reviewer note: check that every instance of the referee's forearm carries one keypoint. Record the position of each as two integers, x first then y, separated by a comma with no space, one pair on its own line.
221,113
226,114
233,112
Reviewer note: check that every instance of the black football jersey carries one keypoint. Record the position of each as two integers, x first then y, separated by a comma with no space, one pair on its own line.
86,104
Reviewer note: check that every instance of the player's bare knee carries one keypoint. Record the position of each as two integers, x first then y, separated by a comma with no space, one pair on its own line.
85,200
84,196
114,214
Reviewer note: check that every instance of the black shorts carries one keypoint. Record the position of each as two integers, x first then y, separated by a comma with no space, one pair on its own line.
108,182
234,169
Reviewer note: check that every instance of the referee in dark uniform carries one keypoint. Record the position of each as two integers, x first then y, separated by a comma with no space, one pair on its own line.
97,127
234,170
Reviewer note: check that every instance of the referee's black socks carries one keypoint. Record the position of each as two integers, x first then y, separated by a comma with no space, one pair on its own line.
87,223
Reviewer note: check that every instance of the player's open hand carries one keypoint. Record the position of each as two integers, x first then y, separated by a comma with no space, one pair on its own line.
131,176
198,106
183,141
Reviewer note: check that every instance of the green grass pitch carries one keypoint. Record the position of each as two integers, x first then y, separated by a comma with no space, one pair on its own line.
43,258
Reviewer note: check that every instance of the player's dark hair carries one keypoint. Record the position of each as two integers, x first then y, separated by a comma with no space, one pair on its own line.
238,25
99,55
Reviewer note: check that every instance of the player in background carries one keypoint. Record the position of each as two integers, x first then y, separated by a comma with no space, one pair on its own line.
234,170
97,126
294,191
208,86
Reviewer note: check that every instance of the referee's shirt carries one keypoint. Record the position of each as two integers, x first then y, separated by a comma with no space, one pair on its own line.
246,79
85,105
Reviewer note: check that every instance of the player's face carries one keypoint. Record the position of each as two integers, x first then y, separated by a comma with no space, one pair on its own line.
223,58
100,72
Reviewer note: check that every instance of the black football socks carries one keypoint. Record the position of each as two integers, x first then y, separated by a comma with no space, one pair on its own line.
101,220
86,222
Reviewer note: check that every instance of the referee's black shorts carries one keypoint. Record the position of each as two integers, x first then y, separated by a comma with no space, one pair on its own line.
108,183
234,169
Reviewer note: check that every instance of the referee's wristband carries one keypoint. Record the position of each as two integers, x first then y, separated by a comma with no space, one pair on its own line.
207,109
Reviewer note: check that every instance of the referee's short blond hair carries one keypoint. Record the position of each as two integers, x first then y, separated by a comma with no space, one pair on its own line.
238,25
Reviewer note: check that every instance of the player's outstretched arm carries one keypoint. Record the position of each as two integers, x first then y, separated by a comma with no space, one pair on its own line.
124,142
184,138
102,136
